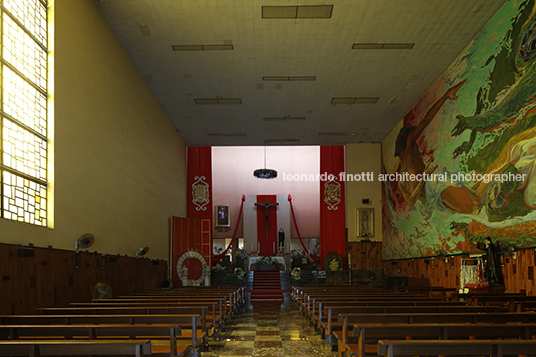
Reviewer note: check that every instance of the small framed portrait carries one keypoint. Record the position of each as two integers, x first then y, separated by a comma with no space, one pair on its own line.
365,222
223,216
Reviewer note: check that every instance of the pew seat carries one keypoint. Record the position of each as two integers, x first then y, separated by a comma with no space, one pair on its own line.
495,348
32,348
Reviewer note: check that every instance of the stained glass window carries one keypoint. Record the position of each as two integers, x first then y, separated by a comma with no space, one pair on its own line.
23,124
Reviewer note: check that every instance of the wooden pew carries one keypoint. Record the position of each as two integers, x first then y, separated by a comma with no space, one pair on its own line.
430,291
213,316
224,301
300,295
433,331
316,315
237,297
307,300
136,348
350,319
187,321
334,311
495,348
157,333
313,302
200,310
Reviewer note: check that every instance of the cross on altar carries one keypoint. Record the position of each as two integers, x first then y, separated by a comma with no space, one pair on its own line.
266,205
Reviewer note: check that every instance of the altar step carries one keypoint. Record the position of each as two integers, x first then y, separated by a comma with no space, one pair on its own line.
266,287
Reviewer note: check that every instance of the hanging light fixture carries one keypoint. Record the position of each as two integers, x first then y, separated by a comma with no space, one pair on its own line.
265,173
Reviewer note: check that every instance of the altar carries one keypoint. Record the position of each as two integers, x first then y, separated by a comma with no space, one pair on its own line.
280,260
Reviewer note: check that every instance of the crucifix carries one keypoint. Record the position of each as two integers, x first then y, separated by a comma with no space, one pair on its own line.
266,205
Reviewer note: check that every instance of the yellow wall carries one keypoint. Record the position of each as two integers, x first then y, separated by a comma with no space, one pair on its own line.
363,158
119,165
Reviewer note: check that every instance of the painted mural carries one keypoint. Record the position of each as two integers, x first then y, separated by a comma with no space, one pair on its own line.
460,166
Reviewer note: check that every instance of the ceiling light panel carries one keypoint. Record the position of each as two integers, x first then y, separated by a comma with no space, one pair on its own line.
354,100
382,46
366,100
297,12
284,118
343,100
205,101
337,134
202,47
288,78
315,12
227,135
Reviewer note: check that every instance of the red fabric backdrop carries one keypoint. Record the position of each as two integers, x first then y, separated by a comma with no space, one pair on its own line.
267,241
332,212
190,234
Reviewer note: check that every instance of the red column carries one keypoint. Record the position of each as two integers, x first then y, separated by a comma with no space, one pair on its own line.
199,200
332,205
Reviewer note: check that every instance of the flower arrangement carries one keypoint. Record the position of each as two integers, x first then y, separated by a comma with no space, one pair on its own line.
242,254
295,274
267,261
218,268
240,274
295,254
334,265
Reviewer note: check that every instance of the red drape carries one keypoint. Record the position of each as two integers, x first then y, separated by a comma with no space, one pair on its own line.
314,257
267,241
332,212
199,189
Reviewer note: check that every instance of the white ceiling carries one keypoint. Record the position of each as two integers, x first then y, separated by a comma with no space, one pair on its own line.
147,29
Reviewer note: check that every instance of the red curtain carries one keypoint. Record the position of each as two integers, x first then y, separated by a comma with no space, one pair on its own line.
332,212
267,241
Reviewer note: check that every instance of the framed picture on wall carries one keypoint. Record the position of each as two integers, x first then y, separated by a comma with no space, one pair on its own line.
365,222
223,216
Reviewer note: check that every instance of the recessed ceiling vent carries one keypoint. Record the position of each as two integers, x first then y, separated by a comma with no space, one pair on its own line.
383,46
207,101
297,12
354,100
202,47
288,78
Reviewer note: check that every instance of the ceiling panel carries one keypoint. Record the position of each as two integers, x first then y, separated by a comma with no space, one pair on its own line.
297,47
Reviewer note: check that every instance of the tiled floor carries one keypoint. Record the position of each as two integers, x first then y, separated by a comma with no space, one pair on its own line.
269,330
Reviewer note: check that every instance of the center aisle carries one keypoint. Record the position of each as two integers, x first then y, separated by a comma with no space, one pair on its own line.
269,330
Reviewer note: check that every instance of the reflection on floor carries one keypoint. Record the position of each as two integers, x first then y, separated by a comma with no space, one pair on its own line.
269,330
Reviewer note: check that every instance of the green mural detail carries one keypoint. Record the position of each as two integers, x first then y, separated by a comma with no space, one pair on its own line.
486,127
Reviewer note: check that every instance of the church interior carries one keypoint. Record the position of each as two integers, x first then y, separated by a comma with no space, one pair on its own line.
268,178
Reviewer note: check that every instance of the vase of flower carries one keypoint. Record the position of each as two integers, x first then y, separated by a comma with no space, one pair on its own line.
241,256
296,257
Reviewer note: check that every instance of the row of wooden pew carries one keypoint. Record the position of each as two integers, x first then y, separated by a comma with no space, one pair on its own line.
358,321
174,322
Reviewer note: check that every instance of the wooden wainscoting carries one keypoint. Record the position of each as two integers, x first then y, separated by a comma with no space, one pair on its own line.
518,273
44,277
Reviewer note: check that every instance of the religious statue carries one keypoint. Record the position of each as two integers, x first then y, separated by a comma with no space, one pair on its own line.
281,237
491,274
